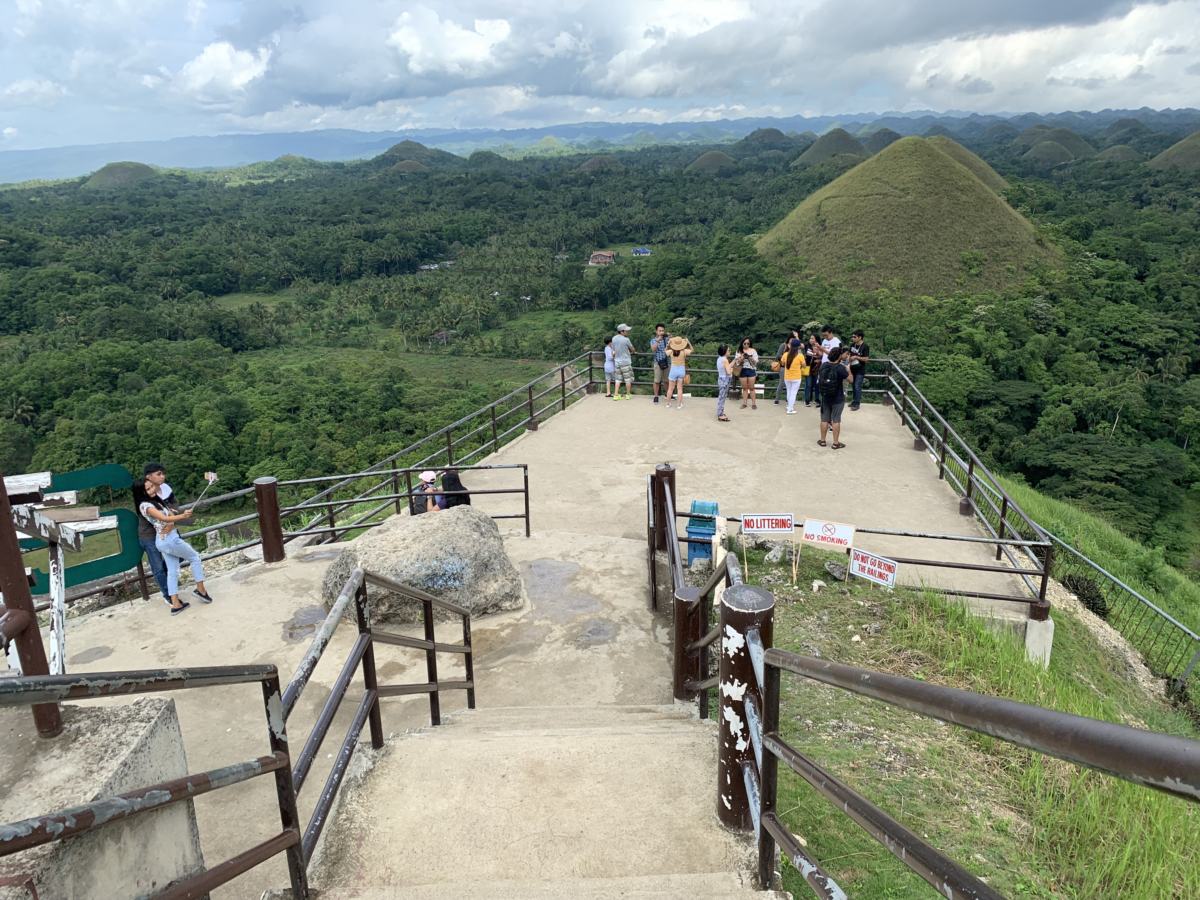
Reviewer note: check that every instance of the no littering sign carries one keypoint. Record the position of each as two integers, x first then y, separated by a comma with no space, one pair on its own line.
768,523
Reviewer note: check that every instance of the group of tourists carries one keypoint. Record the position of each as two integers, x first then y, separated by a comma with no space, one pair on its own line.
819,365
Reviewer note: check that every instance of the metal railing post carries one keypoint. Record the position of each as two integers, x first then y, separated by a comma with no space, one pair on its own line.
494,441
285,792
1003,526
919,420
685,609
1181,681
435,704
270,529
770,777
942,453
396,491
531,421
469,661
591,382
562,377
145,588
965,505
408,488
743,608
14,585
664,473
331,516
362,614
449,448
525,476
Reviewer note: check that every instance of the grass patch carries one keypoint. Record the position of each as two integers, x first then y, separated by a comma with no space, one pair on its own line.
1030,825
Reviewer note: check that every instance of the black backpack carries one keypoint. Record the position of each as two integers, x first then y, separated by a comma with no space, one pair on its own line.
828,382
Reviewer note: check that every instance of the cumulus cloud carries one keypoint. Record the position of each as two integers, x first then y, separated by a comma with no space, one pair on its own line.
32,92
126,67
434,44
221,70
8,133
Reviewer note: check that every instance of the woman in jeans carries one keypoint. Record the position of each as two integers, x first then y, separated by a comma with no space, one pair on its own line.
175,550
812,354
724,381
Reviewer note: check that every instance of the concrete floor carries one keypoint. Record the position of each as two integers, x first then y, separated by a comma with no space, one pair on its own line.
585,636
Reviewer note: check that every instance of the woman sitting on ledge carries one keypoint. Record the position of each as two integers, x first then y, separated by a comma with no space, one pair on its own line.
451,482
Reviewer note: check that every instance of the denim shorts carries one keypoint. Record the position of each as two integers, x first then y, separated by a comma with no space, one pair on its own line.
677,372
748,373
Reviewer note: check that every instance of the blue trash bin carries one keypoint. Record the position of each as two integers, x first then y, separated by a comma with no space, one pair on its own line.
702,529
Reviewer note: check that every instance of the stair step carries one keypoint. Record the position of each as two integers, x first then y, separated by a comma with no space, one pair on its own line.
513,721
700,886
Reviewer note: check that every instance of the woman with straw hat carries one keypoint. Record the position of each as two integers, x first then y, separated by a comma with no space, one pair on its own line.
678,350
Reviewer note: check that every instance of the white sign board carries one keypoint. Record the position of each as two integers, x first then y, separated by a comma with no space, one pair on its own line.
878,569
828,534
768,523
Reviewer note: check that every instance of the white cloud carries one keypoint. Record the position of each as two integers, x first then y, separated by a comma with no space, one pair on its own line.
436,45
194,12
32,92
8,133
222,70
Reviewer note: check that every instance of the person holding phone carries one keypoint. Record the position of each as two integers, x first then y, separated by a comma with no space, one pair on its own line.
174,549
746,365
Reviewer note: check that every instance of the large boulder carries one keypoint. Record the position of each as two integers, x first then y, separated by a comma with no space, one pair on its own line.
455,554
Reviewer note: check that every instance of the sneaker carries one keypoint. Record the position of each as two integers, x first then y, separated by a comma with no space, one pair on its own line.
655,398
176,610
854,408
203,598
776,402
791,412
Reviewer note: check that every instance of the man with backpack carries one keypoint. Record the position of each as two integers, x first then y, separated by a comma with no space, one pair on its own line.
831,391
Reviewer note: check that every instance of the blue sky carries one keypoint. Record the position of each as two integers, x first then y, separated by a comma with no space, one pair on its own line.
86,71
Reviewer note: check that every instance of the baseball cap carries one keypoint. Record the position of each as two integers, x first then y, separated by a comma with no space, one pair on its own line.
623,327
428,476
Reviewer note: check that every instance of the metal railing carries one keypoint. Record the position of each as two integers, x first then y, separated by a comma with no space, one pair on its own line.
453,446
290,776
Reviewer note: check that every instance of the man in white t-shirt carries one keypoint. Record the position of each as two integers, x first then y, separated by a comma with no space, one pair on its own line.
829,341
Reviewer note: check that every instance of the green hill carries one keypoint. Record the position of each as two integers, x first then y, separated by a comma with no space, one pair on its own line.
119,175
877,140
1064,137
409,167
838,142
411,151
767,137
910,214
1120,153
1000,132
597,164
1184,155
714,162
1124,130
938,130
1030,136
963,156
1045,155
488,159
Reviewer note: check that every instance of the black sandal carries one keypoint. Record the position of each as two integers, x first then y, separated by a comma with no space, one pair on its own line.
821,444
838,446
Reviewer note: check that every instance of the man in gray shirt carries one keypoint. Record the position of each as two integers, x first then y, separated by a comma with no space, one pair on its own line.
623,360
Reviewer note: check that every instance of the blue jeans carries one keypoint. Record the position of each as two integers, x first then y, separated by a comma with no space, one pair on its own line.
810,387
722,393
859,374
158,567
176,551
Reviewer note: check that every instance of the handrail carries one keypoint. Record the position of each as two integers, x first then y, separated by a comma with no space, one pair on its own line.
673,541
415,594
77,820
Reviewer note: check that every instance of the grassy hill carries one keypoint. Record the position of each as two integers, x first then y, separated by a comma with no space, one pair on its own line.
119,175
599,164
837,142
1045,155
411,151
965,157
410,167
714,162
1184,155
1119,153
877,140
911,215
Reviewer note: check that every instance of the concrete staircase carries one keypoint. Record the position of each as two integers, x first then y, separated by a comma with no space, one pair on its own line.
532,802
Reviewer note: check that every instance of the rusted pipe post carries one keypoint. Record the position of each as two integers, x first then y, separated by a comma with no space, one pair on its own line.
531,421
449,448
266,499
664,473
562,377
1047,572
525,492
743,608
289,816
769,777
1003,525
396,492
942,452
370,683
493,409
17,599
141,570
408,489
435,704
591,382
686,619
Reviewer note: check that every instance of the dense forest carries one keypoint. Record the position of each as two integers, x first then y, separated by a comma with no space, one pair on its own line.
285,323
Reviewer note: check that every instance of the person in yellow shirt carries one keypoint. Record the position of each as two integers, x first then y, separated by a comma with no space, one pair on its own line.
793,367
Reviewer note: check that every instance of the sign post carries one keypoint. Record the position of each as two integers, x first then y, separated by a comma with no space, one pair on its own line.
768,523
878,569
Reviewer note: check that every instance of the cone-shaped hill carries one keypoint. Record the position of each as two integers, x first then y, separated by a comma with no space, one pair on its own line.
767,139
1045,155
1120,153
976,164
911,214
837,142
598,164
119,175
877,140
1185,155
714,162
411,151
1000,132
409,167
1064,137
1124,130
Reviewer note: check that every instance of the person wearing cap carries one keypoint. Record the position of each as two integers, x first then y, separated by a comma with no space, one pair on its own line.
678,350
156,474
623,359
860,355
658,346
424,498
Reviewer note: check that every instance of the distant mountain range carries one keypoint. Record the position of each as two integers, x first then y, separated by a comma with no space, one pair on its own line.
224,151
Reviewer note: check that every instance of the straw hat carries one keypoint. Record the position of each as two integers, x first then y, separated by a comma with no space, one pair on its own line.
678,343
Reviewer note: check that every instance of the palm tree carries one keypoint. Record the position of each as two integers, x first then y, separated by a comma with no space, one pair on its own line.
20,410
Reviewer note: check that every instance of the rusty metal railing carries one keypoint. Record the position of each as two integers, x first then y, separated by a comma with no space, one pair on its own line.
33,832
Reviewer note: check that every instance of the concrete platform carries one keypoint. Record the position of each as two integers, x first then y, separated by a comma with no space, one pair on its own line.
588,468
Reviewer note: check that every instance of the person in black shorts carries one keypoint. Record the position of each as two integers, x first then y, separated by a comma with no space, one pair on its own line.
831,390
860,355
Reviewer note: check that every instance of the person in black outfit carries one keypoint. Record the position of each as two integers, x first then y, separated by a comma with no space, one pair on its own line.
451,482
860,355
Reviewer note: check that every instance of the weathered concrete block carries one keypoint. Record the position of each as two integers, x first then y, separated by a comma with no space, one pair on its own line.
456,554
103,751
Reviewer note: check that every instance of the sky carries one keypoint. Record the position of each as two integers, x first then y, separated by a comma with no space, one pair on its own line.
89,71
